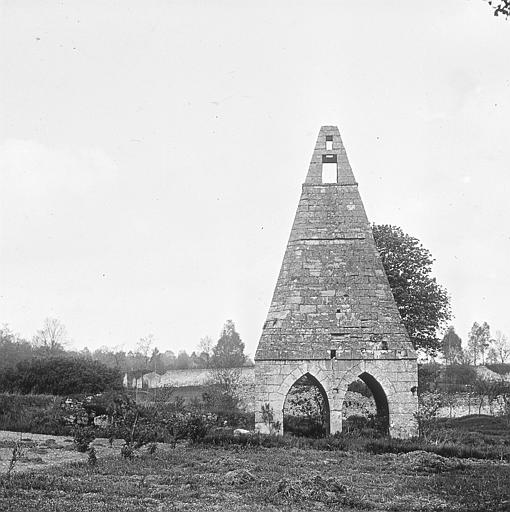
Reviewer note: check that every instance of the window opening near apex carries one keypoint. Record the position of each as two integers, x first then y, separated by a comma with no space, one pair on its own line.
329,142
329,169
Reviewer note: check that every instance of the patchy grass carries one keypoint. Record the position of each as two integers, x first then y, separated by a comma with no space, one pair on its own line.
261,479
490,427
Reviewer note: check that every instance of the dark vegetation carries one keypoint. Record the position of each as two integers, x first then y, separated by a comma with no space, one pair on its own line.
59,376
501,368
50,343
423,304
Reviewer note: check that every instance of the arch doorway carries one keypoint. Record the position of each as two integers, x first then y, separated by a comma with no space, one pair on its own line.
365,406
306,408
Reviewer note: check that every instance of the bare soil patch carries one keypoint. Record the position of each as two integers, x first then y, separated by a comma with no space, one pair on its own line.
41,451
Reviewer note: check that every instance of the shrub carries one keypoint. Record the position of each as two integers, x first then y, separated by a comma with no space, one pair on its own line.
304,426
82,437
61,376
51,421
428,408
268,418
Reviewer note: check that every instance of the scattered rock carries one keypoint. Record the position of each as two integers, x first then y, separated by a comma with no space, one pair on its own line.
241,432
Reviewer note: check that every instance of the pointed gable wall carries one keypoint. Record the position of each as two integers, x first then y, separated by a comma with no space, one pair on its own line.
332,297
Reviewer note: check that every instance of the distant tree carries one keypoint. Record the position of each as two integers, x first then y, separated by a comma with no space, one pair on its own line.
144,348
52,338
451,346
229,351
205,348
156,362
423,304
105,356
168,359
120,358
85,353
499,351
183,361
478,342
13,348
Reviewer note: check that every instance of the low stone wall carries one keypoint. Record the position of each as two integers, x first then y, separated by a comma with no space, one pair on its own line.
192,383
198,377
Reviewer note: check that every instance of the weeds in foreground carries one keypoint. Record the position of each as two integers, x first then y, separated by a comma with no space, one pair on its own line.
17,454
92,457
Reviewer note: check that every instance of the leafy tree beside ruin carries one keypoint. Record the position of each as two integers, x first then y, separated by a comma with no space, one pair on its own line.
501,7
424,305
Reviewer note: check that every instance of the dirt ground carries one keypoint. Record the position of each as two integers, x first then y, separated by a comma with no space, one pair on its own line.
41,451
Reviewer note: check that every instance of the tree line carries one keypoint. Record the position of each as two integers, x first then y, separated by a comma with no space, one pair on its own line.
43,365
51,341
482,348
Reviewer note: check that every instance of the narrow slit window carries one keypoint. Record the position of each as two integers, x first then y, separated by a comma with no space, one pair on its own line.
329,142
329,169
332,354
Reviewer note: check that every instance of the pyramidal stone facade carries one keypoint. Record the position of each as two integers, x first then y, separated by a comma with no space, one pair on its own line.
333,316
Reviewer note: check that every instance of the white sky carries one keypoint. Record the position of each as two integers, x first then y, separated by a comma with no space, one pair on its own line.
152,154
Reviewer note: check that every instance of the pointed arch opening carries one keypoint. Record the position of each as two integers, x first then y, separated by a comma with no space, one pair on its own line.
306,408
365,406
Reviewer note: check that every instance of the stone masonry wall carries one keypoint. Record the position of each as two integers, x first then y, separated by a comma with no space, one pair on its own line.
333,314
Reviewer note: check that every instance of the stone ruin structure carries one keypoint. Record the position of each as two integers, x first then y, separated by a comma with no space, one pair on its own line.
333,317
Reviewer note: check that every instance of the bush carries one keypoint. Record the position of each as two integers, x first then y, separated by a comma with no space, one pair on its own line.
140,425
40,414
366,426
303,426
82,437
61,376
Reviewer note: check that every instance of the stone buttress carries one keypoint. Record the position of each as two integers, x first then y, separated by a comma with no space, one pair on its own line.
333,314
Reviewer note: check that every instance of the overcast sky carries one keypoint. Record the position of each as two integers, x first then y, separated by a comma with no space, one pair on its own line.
152,154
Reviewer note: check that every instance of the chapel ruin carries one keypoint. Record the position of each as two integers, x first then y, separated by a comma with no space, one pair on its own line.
333,317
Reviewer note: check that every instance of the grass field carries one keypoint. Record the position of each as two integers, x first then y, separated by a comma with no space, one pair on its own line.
242,479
